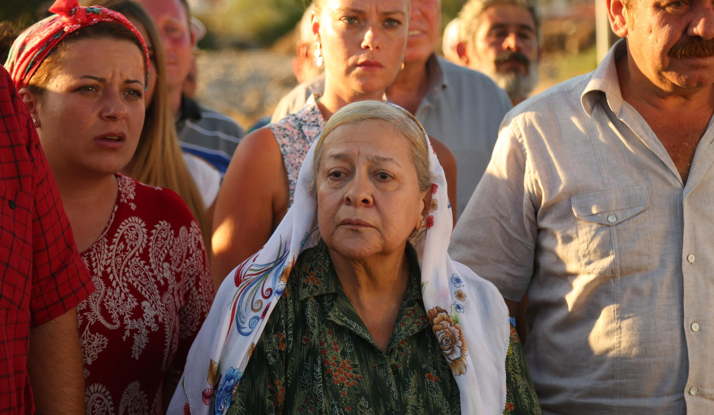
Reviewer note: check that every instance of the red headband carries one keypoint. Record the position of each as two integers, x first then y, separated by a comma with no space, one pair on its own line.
32,47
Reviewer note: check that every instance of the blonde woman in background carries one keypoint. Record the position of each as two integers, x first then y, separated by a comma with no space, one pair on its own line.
158,160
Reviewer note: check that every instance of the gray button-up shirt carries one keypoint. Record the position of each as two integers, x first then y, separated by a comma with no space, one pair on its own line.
462,108
582,207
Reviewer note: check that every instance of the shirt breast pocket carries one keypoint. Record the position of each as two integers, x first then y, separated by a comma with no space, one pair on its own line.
613,231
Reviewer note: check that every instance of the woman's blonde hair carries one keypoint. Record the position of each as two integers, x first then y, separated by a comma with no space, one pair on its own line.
158,160
400,119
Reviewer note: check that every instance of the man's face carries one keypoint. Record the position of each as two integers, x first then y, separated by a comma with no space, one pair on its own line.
672,42
505,48
171,19
424,30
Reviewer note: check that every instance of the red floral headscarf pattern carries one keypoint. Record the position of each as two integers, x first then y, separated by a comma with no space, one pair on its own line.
34,44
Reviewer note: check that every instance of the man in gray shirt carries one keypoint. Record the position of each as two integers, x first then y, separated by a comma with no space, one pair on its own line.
598,203
461,107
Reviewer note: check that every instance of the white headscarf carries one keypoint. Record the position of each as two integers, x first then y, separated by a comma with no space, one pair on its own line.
463,308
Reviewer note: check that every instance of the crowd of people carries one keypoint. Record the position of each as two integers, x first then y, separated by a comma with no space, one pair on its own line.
407,234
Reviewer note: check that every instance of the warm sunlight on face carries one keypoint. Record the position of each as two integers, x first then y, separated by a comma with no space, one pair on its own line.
362,42
656,29
92,111
368,194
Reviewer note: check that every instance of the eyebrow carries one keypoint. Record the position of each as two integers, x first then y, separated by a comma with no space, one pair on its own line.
104,80
382,159
362,12
520,26
373,159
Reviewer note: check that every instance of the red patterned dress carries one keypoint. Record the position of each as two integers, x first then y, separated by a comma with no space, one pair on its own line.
153,291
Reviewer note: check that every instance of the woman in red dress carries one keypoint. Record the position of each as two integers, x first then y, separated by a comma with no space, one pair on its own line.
82,75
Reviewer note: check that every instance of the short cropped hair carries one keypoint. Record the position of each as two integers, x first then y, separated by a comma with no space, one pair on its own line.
401,120
470,16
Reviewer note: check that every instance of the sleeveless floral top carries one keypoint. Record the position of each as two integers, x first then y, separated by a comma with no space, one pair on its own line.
295,134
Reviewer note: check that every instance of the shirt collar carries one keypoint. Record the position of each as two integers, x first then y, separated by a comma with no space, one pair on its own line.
189,109
438,80
604,81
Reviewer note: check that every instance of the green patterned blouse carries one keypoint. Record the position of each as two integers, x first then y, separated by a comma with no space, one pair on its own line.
315,356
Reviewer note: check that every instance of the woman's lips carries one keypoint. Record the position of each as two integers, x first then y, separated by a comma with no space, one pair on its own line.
370,65
112,140
355,223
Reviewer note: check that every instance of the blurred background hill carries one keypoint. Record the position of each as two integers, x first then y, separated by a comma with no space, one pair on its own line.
245,59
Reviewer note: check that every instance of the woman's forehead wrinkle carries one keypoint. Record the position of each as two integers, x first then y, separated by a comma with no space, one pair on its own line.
382,159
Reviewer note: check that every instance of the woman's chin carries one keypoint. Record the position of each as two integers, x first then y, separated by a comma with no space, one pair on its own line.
354,248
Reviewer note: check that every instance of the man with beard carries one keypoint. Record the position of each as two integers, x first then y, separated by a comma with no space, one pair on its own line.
598,202
500,39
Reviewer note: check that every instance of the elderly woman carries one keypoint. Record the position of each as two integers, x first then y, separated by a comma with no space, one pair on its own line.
82,74
353,305
361,45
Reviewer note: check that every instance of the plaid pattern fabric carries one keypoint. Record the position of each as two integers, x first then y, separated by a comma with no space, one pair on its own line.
42,274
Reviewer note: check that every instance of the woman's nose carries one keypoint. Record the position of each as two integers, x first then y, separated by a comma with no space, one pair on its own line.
114,108
359,192
371,39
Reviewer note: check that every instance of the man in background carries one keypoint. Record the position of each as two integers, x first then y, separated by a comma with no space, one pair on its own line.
306,71
203,132
449,42
598,202
501,39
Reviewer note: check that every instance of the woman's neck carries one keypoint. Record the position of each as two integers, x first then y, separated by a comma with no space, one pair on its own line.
375,288
88,203
333,100
411,86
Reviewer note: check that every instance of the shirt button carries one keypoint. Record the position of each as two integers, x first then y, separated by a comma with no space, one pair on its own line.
611,218
695,326
693,390
11,203
691,258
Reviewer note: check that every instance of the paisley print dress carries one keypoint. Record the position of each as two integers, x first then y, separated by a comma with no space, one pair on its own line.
153,291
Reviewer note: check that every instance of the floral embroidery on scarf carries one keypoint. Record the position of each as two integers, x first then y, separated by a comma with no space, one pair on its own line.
450,338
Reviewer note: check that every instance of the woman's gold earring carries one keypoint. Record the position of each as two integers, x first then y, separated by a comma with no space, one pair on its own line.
402,66
318,54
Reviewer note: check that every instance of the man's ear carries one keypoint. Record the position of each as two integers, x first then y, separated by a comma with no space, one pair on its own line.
194,39
617,14
32,104
461,51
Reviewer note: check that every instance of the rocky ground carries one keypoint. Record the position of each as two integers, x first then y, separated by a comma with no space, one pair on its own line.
245,85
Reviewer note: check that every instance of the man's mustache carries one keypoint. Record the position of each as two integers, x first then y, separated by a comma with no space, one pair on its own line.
694,47
512,56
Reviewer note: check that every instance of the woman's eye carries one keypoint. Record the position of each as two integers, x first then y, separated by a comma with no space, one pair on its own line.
392,23
383,176
135,93
350,20
335,175
88,88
